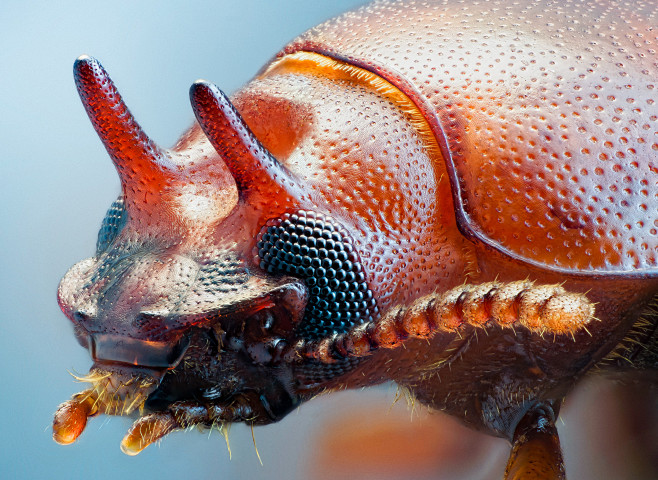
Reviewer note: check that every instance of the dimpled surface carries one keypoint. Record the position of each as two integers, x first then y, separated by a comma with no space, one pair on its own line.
368,170
309,246
546,114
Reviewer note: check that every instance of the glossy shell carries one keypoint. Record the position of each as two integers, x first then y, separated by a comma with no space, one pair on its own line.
545,113
479,167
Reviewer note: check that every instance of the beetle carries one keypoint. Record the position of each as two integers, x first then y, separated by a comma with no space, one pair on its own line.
461,198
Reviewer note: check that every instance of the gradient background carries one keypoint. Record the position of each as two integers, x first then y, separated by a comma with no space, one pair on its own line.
57,182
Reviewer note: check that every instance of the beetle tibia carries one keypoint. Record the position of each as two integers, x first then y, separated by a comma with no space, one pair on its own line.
539,308
536,452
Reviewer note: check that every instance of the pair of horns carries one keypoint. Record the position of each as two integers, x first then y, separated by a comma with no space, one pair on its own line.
138,159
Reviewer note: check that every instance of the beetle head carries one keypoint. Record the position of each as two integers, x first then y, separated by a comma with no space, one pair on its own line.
214,260
177,249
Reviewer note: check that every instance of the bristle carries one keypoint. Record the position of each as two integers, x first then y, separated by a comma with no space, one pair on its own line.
451,353
635,345
253,439
116,398
93,376
407,395
224,430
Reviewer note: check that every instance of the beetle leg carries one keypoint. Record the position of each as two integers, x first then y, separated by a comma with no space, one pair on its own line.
541,309
536,453
181,415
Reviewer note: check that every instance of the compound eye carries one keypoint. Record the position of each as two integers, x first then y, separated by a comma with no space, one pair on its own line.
313,247
113,223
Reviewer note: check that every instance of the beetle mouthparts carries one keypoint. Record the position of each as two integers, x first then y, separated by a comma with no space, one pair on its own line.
113,392
141,353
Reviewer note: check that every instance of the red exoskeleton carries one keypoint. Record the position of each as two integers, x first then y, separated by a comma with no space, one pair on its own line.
458,197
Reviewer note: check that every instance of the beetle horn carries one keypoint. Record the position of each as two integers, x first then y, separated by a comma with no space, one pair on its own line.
141,164
253,167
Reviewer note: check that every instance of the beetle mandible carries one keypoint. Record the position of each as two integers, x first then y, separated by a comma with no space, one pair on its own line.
395,181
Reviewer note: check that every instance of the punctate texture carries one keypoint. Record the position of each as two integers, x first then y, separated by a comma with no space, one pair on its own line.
457,196
545,112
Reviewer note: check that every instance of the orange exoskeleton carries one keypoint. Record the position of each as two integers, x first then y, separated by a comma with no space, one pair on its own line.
405,175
